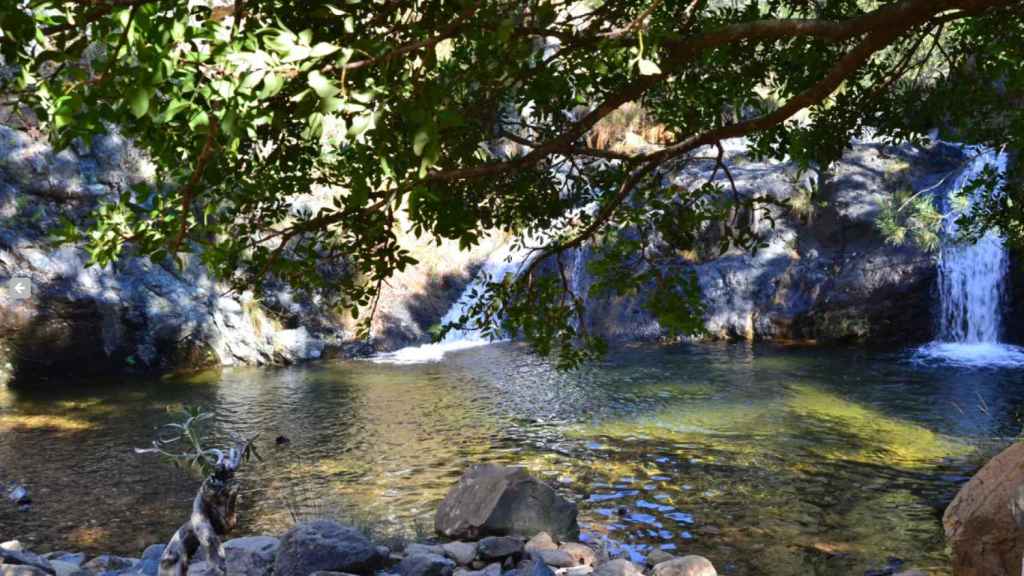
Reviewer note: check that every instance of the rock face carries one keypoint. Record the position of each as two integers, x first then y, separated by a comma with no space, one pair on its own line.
979,523
325,545
498,500
826,272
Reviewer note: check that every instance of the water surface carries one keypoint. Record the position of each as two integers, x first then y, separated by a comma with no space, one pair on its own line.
768,460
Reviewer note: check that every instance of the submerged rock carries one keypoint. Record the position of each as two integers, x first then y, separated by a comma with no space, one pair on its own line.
979,523
497,500
325,545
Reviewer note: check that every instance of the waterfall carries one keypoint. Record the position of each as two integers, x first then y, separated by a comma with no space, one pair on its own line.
971,282
503,260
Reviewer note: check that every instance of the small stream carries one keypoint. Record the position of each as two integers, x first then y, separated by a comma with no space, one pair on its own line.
768,460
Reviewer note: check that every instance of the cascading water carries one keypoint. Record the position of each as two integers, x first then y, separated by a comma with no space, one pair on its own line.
504,260
971,279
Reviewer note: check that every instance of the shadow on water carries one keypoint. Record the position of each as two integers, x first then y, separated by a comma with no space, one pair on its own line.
769,460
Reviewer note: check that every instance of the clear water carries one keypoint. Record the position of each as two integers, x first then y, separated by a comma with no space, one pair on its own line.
768,460
971,284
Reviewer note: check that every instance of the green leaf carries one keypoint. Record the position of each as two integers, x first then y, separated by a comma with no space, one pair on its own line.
272,84
198,119
323,49
322,85
138,101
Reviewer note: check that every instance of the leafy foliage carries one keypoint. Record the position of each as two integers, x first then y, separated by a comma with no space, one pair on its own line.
468,117
906,217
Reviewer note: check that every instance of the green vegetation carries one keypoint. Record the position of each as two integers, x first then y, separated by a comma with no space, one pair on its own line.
458,118
906,217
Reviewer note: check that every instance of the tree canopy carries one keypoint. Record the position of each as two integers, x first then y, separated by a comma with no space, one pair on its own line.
453,118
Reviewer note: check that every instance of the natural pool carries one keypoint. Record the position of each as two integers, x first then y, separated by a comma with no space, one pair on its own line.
768,460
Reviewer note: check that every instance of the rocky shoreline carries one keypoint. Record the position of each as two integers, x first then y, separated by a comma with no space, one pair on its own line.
496,521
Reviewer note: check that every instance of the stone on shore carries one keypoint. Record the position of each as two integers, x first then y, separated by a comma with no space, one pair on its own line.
691,565
463,553
416,548
14,545
980,527
542,541
499,547
426,565
493,500
618,567
24,558
109,563
325,545
582,554
555,558
76,558
21,570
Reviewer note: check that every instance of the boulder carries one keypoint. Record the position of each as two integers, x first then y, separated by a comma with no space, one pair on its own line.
325,545
691,565
463,553
979,523
582,554
251,556
426,565
493,500
499,547
542,541
24,558
555,558
618,567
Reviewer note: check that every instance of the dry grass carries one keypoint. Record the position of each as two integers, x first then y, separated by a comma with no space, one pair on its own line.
625,128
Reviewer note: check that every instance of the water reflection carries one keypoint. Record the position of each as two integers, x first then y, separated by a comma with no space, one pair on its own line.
768,460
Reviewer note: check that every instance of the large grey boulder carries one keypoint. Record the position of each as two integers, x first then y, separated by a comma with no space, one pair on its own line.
497,500
426,565
325,545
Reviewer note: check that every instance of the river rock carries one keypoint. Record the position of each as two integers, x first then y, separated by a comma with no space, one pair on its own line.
325,545
20,570
109,563
15,545
542,541
24,558
416,548
979,523
426,565
555,558
582,554
251,556
499,547
64,568
657,556
462,552
691,565
575,571
76,558
618,567
497,500
153,552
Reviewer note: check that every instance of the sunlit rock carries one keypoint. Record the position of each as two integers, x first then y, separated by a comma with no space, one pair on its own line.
980,527
498,500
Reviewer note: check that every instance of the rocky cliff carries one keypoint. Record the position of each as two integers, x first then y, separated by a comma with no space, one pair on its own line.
826,273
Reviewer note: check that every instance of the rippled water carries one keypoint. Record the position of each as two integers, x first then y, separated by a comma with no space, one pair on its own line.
768,460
